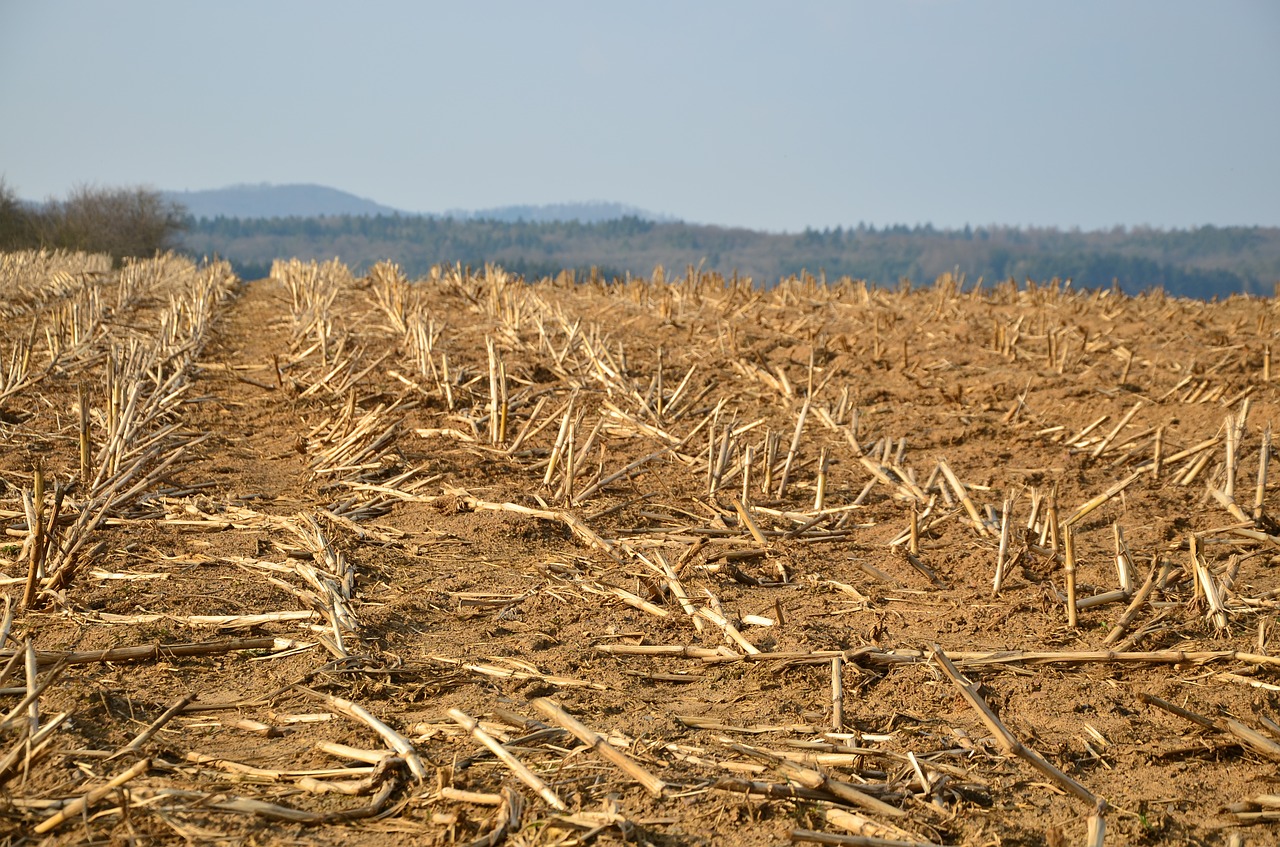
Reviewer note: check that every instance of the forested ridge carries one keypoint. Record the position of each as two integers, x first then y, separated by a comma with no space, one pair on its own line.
1203,262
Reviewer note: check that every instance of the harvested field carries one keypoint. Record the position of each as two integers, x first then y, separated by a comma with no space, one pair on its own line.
463,560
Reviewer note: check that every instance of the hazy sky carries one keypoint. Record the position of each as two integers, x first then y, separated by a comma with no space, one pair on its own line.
772,115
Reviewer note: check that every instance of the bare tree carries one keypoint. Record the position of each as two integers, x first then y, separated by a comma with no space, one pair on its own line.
120,221
17,228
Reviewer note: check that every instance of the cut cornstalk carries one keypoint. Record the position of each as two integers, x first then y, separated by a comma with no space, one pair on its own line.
1264,458
1008,742
1069,567
962,494
1080,513
598,745
1124,421
521,771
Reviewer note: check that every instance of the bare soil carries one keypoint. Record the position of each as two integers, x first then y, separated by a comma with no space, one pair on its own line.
357,438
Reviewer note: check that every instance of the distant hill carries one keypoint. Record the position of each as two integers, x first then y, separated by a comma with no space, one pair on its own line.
311,201
594,212
275,201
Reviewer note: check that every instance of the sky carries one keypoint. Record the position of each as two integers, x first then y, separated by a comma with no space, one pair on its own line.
769,115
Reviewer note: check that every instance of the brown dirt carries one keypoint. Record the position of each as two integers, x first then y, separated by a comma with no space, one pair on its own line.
456,605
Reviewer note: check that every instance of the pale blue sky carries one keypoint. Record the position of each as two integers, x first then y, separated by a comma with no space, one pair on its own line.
775,115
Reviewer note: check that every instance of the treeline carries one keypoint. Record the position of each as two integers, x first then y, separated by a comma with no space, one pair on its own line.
121,222
1203,262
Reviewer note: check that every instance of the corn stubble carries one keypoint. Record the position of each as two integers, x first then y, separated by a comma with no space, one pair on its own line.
818,539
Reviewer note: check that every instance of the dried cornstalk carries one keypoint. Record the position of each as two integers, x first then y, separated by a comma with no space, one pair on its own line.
560,442
1069,568
749,522
817,780
513,764
866,827
810,836
837,694
962,494
599,745
730,631
73,809
1007,740
154,652
1264,458
394,740
1097,831
1001,553
1134,608
1124,421
155,726
30,747
1205,580
820,494
571,522
794,448
1233,450
1124,559
1084,510
29,704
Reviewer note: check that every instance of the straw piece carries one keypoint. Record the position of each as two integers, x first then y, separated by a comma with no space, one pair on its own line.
6,624
1228,502
143,737
1069,567
817,780
343,751
677,650
1233,454
1097,832
837,694
394,740
1001,553
1157,453
1124,559
511,807
271,774
731,632
512,673
573,523
794,448
678,591
750,522
599,745
635,600
85,801
962,494
29,747
1134,607
34,689
1080,513
913,538
860,825
774,790
1264,459
478,798
1207,584
1253,739
156,652
273,811
518,768
1007,740
1187,714
1124,421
